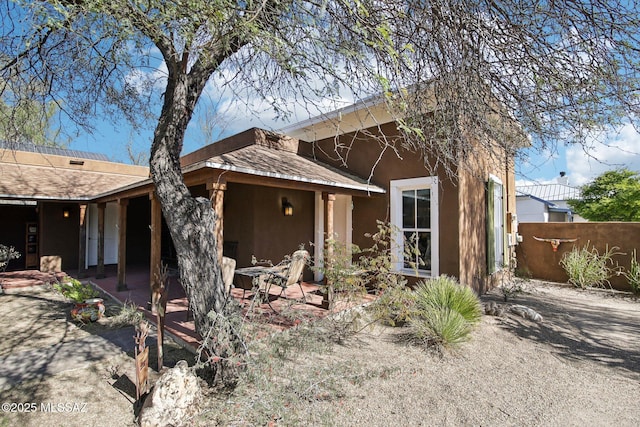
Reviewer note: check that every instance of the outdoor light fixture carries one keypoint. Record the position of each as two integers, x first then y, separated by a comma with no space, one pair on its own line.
65,213
287,208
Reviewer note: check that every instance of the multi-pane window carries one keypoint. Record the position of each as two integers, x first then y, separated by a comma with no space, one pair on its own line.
416,228
414,213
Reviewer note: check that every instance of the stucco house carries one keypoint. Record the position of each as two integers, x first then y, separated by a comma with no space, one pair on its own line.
273,191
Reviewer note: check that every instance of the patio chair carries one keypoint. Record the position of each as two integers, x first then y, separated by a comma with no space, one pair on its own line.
228,270
289,274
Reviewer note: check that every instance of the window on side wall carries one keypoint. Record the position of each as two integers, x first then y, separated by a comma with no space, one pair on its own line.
414,214
495,224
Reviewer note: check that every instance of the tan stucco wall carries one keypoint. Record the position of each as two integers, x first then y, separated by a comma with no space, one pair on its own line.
63,162
462,212
365,152
538,260
473,221
60,236
253,217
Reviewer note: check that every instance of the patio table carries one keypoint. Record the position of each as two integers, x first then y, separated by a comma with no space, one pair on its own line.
244,277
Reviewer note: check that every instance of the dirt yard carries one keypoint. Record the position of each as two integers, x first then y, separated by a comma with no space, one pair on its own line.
579,366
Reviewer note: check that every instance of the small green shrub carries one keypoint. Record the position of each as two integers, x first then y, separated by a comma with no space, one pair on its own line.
587,268
633,274
446,292
75,290
446,312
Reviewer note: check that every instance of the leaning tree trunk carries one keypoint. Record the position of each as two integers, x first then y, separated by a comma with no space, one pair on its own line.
191,221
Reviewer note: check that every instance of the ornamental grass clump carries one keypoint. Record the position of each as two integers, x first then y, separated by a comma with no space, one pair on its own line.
587,268
445,312
633,274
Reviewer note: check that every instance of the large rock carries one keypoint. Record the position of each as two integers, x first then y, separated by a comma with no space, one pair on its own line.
174,398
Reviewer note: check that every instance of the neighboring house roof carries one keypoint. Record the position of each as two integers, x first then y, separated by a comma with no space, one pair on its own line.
37,176
550,192
537,199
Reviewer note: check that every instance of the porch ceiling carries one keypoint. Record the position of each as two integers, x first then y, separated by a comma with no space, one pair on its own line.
260,161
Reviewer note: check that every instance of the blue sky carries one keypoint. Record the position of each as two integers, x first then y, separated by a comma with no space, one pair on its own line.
614,149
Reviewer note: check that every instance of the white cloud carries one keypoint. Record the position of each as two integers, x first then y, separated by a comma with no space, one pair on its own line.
146,81
239,106
614,150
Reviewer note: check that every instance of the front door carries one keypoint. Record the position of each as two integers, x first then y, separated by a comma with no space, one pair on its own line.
110,234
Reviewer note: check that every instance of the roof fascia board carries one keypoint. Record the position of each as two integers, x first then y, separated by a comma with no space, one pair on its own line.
140,185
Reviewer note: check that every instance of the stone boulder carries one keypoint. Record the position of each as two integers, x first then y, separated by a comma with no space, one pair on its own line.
174,398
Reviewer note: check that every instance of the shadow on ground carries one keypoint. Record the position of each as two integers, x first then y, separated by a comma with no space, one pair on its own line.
581,326
38,340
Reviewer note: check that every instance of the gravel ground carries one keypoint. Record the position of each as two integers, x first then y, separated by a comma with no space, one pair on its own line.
579,366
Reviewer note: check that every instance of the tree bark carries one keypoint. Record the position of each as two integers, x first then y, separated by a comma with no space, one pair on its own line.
190,220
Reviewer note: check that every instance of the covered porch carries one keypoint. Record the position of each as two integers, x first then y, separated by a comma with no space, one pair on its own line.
269,199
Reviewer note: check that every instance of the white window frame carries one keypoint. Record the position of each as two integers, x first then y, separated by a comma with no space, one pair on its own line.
499,232
396,189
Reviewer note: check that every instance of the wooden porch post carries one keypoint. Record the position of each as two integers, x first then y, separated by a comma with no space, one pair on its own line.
82,243
156,236
100,267
329,199
122,244
216,195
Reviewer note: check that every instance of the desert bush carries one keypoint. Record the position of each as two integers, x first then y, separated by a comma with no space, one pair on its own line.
446,312
7,253
127,315
511,284
343,276
75,290
288,372
633,274
394,306
587,267
354,272
440,326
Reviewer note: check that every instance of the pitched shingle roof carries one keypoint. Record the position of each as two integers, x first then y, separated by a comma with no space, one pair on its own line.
261,153
273,163
37,176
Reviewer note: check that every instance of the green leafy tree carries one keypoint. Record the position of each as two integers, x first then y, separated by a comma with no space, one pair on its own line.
612,196
454,74
26,120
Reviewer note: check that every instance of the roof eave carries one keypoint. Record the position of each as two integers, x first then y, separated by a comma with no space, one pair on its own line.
44,198
231,168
